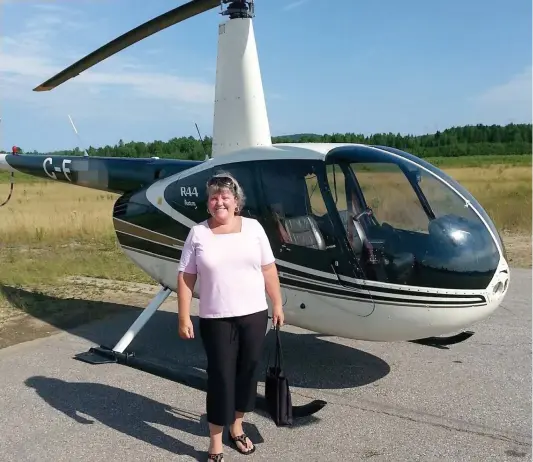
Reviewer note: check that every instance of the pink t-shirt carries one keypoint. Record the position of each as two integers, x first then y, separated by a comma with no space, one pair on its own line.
228,268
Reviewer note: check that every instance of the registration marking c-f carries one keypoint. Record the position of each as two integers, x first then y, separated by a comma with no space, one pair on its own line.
52,175
64,169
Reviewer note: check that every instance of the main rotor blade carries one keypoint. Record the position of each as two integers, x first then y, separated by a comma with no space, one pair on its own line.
186,11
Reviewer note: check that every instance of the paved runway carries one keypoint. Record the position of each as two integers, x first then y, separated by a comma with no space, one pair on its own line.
386,402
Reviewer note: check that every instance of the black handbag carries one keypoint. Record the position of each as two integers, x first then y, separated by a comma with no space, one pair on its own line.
277,390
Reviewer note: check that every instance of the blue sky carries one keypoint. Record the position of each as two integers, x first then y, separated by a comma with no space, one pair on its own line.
411,66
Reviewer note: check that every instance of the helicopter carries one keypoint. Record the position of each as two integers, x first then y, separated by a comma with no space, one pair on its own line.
349,265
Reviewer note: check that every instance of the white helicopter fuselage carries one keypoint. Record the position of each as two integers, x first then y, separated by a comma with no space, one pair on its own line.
410,312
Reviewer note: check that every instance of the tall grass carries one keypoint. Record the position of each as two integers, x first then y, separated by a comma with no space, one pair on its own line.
50,213
505,193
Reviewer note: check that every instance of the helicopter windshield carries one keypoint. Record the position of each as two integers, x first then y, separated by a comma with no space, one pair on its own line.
406,225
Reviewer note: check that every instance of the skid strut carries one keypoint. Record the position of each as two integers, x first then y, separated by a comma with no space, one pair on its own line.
143,318
96,355
178,374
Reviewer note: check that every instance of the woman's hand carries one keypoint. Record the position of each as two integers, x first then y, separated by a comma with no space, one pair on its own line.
185,328
278,318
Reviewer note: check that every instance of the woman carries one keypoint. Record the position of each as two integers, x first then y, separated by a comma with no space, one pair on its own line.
232,256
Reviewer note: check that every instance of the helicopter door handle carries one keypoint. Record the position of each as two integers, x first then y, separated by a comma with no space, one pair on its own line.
334,264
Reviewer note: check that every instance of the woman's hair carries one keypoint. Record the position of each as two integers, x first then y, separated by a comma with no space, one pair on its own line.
225,180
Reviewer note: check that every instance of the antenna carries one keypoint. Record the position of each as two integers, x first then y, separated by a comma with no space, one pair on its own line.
78,135
201,141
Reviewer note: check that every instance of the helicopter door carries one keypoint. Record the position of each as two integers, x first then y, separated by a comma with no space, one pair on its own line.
312,255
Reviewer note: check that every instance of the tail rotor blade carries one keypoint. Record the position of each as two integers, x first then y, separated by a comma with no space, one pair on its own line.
181,13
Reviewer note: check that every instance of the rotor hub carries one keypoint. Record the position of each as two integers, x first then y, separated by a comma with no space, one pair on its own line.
238,9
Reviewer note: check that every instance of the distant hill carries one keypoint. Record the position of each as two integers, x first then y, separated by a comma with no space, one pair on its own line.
468,140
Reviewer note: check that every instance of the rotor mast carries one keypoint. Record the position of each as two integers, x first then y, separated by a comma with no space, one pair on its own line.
240,113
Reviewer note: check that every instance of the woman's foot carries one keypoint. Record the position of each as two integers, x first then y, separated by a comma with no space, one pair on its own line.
240,440
215,457
215,452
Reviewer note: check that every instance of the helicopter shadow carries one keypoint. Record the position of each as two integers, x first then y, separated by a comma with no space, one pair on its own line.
309,361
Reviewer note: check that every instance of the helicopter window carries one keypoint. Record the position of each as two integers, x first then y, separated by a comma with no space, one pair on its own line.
337,186
390,196
406,226
316,201
294,200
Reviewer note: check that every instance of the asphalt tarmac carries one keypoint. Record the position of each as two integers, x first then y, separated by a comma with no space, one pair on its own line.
386,402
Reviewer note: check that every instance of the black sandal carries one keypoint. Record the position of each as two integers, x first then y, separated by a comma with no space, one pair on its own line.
216,457
242,439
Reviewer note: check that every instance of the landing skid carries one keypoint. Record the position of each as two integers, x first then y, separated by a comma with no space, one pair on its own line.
443,342
118,355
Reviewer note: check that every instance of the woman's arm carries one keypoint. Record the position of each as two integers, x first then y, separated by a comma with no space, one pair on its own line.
186,283
186,279
270,273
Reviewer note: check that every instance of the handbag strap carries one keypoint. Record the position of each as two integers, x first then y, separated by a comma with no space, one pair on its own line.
279,351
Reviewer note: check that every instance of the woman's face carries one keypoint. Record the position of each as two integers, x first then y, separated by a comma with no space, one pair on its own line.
222,204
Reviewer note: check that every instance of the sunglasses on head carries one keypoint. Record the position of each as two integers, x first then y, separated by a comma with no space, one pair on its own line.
221,181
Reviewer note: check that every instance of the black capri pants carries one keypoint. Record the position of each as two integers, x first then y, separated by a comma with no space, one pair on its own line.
233,347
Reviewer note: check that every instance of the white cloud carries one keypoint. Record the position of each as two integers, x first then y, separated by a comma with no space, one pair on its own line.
295,4
37,51
509,101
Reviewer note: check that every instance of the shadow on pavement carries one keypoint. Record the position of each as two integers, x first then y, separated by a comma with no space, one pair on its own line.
310,361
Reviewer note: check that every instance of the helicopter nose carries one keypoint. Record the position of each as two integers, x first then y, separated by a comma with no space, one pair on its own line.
500,284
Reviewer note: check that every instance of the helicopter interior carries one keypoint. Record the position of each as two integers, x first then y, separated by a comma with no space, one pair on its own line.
406,226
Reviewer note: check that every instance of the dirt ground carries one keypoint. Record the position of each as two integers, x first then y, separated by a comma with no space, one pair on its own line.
27,314
518,250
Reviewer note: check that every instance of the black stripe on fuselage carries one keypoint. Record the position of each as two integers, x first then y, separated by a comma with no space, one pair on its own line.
154,248
135,210
340,292
388,293
150,254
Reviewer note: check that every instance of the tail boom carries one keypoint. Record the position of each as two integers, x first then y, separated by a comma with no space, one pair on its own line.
112,174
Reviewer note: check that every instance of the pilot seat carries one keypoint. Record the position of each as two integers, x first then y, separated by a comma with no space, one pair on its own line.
304,231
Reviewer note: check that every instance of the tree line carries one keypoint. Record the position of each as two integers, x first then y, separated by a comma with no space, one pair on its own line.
468,140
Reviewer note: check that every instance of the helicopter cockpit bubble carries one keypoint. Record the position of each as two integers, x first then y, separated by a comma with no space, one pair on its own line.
409,224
